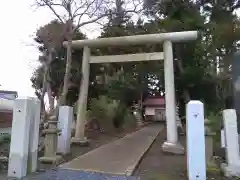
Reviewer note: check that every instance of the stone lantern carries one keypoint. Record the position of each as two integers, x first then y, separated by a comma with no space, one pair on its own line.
137,115
50,141
208,143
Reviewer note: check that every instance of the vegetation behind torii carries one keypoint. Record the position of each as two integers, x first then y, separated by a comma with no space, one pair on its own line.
202,67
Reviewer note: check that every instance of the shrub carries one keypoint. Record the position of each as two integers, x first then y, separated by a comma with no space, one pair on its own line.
104,109
129,120
215,125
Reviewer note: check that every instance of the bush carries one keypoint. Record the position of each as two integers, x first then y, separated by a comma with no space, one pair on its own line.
104,109
111,113
129,120
215,125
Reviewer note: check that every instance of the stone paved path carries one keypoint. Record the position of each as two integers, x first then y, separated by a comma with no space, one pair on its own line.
118,157
114,161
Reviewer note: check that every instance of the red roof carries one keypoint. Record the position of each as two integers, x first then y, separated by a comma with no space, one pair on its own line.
6,119
154,101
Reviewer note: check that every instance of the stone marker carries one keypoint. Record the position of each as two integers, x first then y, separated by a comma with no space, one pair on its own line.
18,156
34,135
65,119
196,160
232,168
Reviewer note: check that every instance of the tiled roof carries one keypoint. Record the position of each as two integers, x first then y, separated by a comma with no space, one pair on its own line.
154,101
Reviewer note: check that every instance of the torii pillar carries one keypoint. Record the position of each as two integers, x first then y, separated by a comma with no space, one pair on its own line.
171,144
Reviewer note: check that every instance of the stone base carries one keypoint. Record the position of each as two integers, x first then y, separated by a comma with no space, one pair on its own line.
80,141
51,159
177,149
64,154
230,171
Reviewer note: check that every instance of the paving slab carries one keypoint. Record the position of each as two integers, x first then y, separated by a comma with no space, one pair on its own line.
119,157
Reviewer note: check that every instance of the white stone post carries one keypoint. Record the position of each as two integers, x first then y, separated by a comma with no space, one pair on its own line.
171,145
18,156
232,168
34,135
196,159
79,137
65,119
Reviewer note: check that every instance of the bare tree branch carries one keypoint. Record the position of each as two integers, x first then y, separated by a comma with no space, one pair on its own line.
93,10
50,5
75,12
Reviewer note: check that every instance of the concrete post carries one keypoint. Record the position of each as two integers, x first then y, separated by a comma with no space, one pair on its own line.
232,168
171,145
18,156
196,158
34,136
79,137
65,119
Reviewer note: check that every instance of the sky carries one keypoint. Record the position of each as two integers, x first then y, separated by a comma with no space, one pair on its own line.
20,20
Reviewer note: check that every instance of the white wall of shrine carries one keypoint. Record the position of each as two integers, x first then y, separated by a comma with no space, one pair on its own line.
157,113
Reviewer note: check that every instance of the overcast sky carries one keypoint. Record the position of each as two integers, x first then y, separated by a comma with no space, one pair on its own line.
18,55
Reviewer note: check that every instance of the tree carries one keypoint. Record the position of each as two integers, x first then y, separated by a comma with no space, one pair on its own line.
81,13
135,77
52,36
206,63
49,75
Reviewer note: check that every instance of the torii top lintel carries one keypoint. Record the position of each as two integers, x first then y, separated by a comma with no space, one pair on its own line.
134,40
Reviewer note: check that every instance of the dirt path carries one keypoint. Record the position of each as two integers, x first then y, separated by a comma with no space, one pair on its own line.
159,166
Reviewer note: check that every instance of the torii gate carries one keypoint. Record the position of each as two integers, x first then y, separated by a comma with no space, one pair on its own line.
171,145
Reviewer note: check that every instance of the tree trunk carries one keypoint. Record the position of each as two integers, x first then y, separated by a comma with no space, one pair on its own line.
45,78
186,94
62,99
50,98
